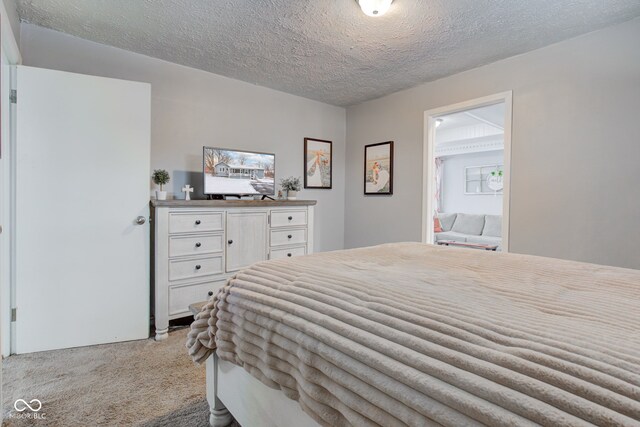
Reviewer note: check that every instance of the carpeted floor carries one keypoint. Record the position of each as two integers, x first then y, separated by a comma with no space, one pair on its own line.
141,383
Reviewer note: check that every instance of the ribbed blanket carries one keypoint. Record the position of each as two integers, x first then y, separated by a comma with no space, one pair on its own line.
419,335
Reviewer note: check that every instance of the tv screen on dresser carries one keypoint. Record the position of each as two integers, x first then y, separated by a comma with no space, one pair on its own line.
236,172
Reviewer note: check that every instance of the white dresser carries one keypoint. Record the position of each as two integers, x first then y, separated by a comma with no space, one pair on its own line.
199,244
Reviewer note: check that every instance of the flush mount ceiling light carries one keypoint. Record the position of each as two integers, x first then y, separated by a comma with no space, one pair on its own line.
374,7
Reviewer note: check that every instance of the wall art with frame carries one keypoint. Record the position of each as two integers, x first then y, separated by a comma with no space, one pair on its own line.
378,168
318,163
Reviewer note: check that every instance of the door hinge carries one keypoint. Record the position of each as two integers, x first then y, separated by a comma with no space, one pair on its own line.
14,314
13,96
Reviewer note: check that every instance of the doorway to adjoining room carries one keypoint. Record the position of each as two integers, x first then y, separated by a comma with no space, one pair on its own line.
466,174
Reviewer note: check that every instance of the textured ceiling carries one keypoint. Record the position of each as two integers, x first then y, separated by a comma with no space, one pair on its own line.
328,50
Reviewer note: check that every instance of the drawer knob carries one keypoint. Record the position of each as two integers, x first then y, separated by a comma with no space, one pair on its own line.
198,244
198,267
289,254
197,222
210,293
230,242
289,236
290,218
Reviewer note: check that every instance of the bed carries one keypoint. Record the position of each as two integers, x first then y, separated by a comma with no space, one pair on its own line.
413,334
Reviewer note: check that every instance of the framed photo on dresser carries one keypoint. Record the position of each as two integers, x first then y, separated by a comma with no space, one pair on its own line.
378,168
318,163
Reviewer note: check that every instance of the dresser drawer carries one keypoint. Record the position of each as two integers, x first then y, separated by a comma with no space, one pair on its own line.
195,221
288,237
195,245
288,253
288,218
195,267
181,296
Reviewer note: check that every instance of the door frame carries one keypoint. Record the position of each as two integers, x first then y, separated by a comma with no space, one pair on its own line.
10,54
428,151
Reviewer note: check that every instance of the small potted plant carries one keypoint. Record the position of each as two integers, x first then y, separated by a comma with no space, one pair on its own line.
160,177
291,185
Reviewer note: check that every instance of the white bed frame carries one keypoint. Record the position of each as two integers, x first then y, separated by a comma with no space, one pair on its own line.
232,390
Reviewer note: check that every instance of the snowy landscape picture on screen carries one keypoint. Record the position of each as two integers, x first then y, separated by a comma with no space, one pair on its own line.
238,172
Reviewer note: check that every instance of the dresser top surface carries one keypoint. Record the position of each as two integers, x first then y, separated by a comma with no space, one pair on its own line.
228,203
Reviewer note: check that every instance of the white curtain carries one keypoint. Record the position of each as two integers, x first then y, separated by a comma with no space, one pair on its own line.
437,196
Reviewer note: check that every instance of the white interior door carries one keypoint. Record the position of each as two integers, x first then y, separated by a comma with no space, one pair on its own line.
82,179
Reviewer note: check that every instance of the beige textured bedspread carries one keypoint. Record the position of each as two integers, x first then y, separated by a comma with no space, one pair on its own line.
411,334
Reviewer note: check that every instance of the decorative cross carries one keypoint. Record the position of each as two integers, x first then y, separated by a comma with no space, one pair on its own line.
187,190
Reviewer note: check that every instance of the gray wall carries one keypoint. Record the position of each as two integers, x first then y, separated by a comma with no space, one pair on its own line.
191,108
575,151
454,198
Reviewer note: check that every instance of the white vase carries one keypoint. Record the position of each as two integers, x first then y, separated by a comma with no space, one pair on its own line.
292,195
161,195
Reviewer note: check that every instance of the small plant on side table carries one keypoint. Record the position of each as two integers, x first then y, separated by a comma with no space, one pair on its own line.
291,185
160,177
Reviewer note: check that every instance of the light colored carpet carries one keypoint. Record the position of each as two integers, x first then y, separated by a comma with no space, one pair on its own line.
141,383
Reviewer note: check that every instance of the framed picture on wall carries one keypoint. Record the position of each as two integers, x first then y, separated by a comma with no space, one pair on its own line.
318,163
378,168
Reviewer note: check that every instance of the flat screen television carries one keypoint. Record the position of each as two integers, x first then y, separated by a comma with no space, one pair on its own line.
238,173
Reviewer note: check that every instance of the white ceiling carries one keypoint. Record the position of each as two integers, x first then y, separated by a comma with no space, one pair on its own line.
471,131
328,49
489,115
